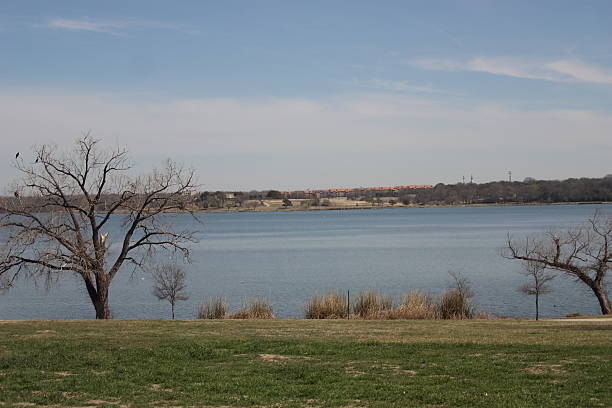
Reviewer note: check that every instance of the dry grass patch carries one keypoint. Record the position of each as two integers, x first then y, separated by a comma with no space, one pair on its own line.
45,333
273,357
97,402
258,308
73,395
331,306
546,369
353,372
395,369
415,306
213,308
372,305
278,358
158,387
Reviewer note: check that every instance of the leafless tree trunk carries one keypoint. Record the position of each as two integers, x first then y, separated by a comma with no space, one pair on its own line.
539,284
582,253
169,284
57,219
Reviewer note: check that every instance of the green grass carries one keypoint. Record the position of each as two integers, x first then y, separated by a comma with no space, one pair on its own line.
300,363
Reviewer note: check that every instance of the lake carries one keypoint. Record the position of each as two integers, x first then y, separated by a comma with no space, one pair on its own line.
289,256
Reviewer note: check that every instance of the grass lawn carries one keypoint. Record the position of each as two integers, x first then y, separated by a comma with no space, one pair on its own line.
300,363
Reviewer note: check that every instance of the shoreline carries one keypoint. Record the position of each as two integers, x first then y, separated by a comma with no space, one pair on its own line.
364,207
376,207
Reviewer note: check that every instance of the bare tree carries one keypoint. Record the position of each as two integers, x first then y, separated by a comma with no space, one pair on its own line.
461,285
169,284
455,302
58,220
539,284
582,253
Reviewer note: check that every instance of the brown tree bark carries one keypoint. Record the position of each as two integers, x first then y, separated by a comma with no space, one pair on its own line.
602,298
102,309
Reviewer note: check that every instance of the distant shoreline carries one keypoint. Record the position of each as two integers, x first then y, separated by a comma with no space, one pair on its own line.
383,207
264,209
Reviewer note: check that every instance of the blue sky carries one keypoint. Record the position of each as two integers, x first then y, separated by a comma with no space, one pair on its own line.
287,94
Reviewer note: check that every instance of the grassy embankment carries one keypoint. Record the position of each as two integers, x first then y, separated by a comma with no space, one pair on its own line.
298,363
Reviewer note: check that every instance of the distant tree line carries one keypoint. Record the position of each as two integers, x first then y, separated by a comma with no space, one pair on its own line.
527,191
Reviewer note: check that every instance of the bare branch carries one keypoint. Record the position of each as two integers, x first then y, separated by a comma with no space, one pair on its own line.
55,222
582,252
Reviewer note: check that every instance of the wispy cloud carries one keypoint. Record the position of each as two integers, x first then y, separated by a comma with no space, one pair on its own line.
581,71
114,27
563,70
440,137
331,124
395,86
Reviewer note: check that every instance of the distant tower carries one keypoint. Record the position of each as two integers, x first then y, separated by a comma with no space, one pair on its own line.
471,179
462,179
510,176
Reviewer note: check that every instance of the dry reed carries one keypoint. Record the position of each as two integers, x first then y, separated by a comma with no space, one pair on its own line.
416,305
330,306
372,305
257,308
213,308
455,305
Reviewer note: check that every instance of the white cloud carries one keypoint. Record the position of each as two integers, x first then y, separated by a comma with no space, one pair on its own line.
105,26
85,25
356,122
581,71
395,86
374,125
564,70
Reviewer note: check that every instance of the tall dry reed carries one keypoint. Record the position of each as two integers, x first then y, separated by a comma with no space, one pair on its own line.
416,305
455,305
257,308
330,306
372,305
213,308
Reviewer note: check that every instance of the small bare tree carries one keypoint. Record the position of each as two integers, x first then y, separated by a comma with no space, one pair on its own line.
461,284
169,284
582,253
455,302
539,285
57,217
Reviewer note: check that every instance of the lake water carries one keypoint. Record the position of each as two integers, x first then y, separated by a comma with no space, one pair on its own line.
289,256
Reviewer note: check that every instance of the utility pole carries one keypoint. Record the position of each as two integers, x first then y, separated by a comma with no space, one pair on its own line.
462,179
471,179
510,176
